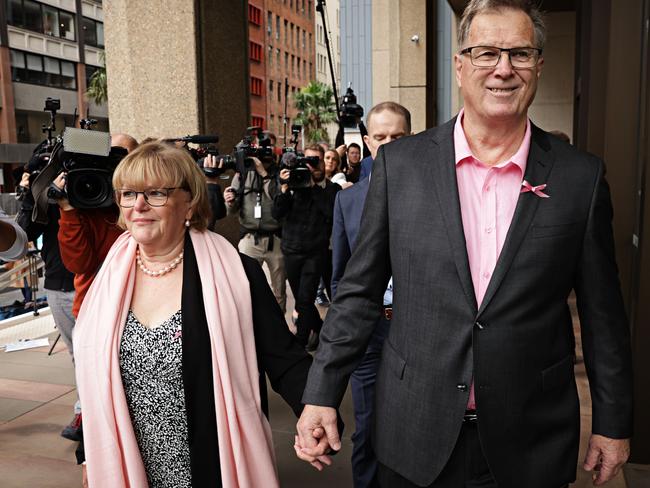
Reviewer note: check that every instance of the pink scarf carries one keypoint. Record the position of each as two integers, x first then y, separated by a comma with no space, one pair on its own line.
112,453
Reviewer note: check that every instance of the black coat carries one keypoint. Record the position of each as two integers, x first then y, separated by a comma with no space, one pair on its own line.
518,346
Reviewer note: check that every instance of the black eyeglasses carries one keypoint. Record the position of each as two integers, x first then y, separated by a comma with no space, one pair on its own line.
489,56
155,197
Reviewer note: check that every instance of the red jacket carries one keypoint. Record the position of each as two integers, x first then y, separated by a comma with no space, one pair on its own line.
85,236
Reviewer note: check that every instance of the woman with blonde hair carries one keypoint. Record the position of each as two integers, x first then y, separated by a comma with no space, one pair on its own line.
174,339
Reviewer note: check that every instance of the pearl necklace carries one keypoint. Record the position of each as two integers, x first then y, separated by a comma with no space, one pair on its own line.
170,267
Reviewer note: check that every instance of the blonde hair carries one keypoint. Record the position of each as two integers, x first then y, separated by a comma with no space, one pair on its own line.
166,166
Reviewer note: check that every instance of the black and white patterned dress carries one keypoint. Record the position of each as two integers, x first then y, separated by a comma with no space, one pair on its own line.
152,375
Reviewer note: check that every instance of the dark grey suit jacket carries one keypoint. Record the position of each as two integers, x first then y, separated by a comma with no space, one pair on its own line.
518,345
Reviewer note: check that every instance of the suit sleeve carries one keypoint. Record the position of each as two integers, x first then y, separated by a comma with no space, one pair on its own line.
357,306
279,355
605,330
340,246
217,204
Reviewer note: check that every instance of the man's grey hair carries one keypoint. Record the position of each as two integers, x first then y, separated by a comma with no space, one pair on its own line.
476,7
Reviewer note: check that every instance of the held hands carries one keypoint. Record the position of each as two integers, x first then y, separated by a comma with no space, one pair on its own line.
605,456
317,435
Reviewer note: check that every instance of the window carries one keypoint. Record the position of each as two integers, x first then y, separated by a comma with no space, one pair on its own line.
286,62
292,29
298,66
269,23
279,92
41,18
254,15
277,27
271,91
277,58
93,32
304,39
309,8
255,51
270,56
42,70
257,121
256,86
90,71
286,32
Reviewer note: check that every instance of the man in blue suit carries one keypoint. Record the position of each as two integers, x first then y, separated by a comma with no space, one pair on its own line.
386,121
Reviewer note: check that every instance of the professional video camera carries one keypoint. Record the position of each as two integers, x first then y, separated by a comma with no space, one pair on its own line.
351,111
89,162
240,160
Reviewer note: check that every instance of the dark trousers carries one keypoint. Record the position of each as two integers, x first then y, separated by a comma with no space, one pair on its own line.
303,273
466,468
327,273
362,382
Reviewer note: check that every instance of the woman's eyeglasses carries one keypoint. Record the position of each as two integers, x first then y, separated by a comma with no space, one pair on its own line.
155,197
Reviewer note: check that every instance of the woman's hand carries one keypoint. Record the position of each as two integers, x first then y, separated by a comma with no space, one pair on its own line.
84,476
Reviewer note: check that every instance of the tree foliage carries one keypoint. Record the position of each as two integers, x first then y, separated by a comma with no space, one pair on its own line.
317,109
97,87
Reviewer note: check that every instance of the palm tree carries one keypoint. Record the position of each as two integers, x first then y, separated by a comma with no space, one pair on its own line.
97,87
317,109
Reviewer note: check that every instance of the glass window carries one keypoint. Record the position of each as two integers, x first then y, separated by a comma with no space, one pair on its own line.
34,72
17,66
66,25
50,21
90,71
52,72
269,23
15,13
277,27
68,78
90,31
33,16
100,34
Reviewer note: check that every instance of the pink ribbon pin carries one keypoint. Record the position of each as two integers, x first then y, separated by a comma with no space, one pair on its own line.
178,334
537,190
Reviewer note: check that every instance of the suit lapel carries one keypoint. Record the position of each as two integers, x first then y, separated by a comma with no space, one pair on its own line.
442,171
539,165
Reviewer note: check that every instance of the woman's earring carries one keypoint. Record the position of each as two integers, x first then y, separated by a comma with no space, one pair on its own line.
187,222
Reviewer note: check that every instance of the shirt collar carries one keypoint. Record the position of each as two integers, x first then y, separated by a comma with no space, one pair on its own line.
463,151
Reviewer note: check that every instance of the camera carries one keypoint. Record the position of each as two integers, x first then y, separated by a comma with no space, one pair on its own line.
89,161
240,160
351,111
299,172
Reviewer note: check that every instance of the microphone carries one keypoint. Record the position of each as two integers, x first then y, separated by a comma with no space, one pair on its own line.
200,139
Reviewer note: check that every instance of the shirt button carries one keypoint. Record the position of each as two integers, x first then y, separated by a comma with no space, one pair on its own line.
487,188
461,387
488,230
486,275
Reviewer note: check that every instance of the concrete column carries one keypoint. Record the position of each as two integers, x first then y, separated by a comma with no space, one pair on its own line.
82,102
8,112
151,67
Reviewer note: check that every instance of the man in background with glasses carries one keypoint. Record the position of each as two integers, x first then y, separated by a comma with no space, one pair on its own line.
487,224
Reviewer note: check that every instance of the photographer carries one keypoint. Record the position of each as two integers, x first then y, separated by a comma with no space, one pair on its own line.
306,215
260,232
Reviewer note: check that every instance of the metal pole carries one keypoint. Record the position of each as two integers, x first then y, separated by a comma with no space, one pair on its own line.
320,7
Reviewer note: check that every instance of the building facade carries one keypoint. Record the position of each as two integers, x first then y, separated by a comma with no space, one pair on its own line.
281,60
48,48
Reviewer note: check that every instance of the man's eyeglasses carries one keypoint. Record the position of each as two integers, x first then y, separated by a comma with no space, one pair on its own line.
155,197
489,56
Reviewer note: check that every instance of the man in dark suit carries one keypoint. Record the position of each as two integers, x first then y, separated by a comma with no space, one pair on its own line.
486,225
386,122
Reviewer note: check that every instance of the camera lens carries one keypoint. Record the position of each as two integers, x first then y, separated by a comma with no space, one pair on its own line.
89,188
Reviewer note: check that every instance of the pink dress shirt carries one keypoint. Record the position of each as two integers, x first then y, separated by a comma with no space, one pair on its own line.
488,197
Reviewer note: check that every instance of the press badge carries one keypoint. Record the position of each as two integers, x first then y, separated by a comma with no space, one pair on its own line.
258,211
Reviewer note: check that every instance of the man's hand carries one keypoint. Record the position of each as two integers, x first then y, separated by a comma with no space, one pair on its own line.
259,167
210,161
606,456
24,181
342,149
59,182
284,176
229,196
317,435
